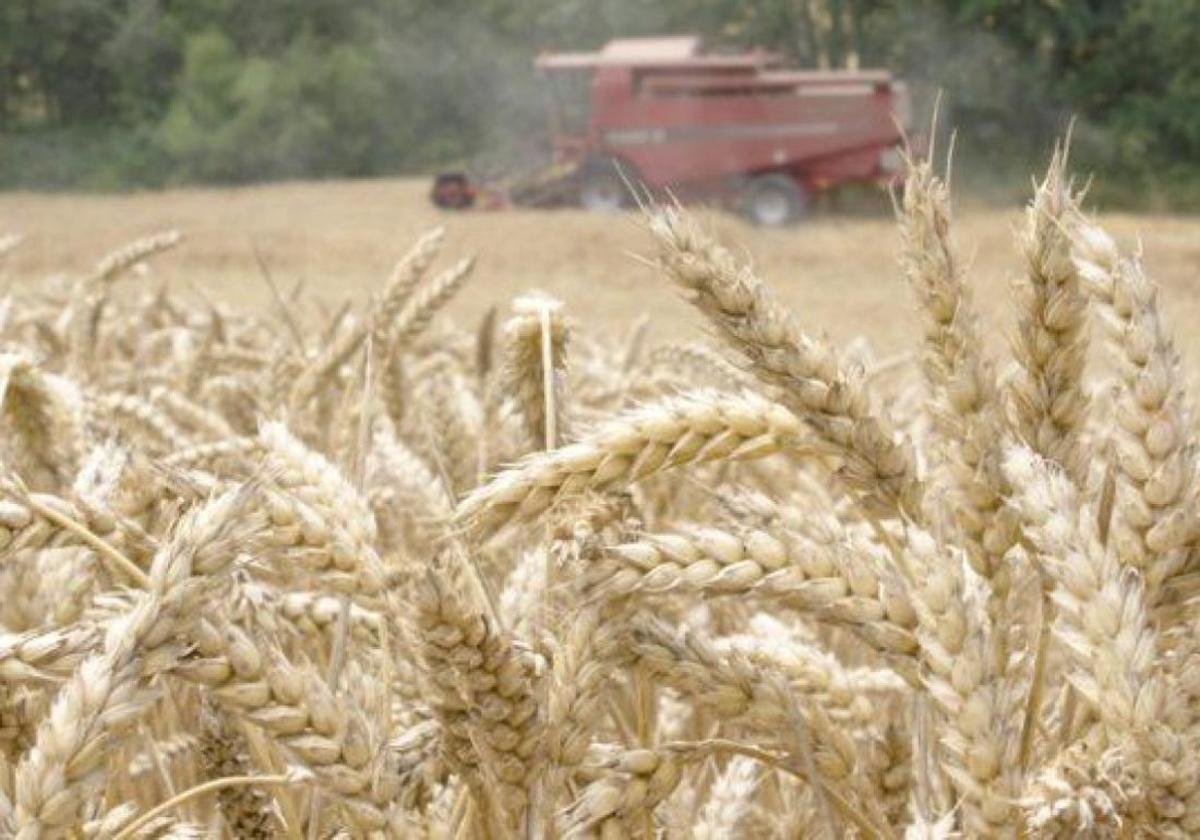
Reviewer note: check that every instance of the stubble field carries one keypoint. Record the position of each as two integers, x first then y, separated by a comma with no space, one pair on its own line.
341,239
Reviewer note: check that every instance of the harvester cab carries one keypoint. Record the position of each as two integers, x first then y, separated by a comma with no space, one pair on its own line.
740,129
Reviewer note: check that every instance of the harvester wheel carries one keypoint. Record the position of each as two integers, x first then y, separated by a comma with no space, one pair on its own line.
773,200
452,191
601,189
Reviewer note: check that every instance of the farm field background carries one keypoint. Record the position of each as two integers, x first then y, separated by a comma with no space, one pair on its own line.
341,238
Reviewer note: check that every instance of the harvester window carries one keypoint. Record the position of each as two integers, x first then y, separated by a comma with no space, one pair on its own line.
664,86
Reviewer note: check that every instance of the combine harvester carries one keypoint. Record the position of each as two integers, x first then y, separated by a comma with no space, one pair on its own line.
738,129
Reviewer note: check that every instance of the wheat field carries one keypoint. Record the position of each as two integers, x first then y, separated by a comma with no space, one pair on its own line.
324,520
341,239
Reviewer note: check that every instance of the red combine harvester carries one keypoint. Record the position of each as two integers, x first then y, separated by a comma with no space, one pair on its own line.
740,129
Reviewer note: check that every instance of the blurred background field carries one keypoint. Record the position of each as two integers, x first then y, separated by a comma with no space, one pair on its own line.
108,94
340,238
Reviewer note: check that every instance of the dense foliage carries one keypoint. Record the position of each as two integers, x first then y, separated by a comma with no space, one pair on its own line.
102,93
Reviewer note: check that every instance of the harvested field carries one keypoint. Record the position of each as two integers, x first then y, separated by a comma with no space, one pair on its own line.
341,238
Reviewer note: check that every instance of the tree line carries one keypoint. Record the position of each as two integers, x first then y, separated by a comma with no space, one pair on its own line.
117,93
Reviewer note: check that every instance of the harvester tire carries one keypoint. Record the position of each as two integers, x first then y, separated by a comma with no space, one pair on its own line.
601,188
452,191
773,200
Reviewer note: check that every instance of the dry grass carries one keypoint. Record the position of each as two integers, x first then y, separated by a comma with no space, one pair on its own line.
276,566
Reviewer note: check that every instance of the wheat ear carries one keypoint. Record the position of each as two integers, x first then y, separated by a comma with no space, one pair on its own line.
524,371
962,676
682,430
404,279
1155,521
1048,398
317,508
425,302
46,415
879,464
326,732
833,585
1105,627
484,697
109,687
966,405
